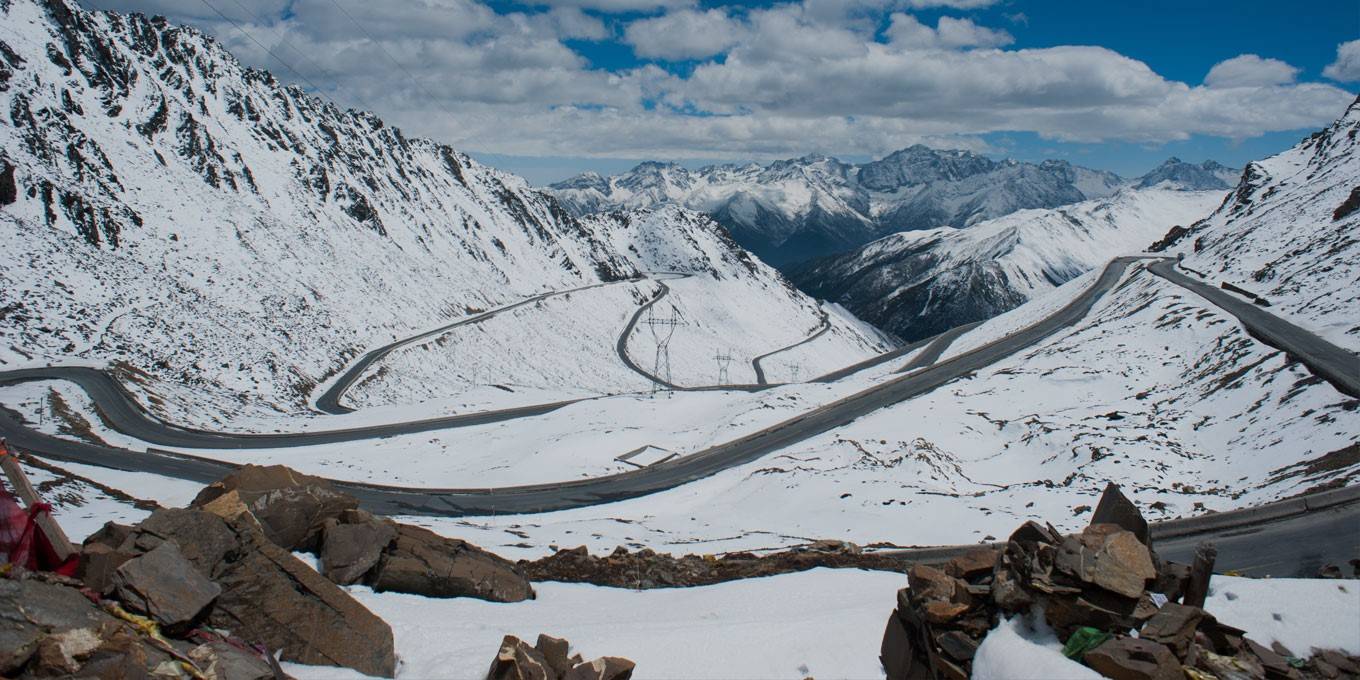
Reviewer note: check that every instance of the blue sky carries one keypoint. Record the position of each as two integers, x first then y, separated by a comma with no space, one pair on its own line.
558,86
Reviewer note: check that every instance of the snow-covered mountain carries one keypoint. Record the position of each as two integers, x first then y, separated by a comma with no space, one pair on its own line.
1290,231
919,283
167,207
813,206
1207,176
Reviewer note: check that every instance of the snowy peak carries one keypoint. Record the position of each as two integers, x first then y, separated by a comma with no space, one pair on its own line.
801,208
1207,176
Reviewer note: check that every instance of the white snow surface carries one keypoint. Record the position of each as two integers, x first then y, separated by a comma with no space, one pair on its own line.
231,243
1282,233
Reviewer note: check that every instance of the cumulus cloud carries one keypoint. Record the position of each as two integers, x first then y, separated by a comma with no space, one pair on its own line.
1346,68
684,34
1250,70
906,30
793,77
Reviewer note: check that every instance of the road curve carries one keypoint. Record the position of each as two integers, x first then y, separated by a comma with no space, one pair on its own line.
760,371
1289,538
1338,366
329,401
630,484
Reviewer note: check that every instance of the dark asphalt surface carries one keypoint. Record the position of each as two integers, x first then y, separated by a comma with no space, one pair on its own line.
760,370
1338,366
1292,547
537,497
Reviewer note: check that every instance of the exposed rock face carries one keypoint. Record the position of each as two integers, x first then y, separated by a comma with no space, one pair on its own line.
425,563
165,586
1098,584
649,569
353,545
269,596
548,660
51,629
291,507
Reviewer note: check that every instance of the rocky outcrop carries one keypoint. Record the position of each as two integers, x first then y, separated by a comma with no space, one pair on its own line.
165,586
1104,591
299,512
649,569
50,628
422,562
548,660
268,596
292,508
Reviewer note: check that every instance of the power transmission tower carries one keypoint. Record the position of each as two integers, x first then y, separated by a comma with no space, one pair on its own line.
723,359
796,369
663,329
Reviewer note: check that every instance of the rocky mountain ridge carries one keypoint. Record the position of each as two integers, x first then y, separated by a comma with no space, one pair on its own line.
798,209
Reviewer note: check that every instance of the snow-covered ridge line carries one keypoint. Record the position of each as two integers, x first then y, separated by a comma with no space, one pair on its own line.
236,242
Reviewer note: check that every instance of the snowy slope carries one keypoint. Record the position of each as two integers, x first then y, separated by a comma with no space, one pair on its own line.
1155,390
1290,232
916,284
795,209
200,222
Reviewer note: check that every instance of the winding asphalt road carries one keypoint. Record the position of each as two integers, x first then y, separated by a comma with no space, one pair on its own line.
760,371
329,401
554,496
1338,366
122,413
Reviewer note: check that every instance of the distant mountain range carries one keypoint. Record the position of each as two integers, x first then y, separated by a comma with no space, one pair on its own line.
795,210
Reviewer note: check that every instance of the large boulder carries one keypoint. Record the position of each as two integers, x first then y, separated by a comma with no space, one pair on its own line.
353,544
1107,556
291,507
165,586
422,562
548,660
268,596
1134,659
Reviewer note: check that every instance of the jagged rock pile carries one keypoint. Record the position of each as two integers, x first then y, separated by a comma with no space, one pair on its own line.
648,569
1122,611
156,598
303,513
548,660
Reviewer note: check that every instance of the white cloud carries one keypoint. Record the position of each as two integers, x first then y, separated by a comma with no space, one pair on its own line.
796,77
1250,70
1346,68
907,31
684,34
617,5
950,4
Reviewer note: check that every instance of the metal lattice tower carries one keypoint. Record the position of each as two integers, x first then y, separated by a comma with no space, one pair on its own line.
724,359
663,329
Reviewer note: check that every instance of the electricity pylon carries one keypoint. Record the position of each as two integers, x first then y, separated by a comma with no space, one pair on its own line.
723,359
663,329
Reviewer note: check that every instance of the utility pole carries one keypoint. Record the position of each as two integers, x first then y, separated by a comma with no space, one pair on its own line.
723,359
663,329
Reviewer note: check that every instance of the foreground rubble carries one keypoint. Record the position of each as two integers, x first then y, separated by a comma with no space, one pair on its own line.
1122,611
548,659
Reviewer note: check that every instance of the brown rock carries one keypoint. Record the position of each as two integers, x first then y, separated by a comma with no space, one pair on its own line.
1133,659
1338,660
1008,593
1172,578
973,564
1239,667
222,661
165,586
269,596
516,660
290,506
425,563
350,550
603,668
928,583
943,612
1197,586
1115,508
1033,532
1275,665
98,563
1094,607
1174,626
957,645
895,652
1109,557
555,651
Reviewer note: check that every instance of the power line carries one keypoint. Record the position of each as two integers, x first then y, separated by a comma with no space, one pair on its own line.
363,101
261,45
